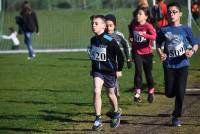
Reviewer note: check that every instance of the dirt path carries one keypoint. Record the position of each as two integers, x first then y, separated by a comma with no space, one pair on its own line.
160,123
157,123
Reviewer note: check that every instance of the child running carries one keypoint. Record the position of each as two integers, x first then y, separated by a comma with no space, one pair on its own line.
141,36
179,45
119,37
107,63
12,36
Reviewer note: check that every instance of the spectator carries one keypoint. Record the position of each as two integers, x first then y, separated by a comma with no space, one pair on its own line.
29,25
159,14
12,36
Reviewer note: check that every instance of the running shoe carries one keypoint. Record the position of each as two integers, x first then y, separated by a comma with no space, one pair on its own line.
97,124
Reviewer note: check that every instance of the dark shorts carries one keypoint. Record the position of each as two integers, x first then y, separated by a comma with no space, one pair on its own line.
108,78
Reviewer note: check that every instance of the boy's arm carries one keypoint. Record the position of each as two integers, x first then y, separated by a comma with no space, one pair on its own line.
120,57
159,41
125,46
193,42
192,51
36,22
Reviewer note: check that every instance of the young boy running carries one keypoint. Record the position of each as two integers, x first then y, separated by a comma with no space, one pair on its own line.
107,63
119,37
179,45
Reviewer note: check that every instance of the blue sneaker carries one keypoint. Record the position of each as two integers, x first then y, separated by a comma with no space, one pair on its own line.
115,122
176,122
97,124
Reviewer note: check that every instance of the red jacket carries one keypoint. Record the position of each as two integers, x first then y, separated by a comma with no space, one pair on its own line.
142,35
164,21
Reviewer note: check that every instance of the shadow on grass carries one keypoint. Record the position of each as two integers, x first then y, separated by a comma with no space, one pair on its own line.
35,102
66,113
75,59
43,117
41,90
143,115
20,129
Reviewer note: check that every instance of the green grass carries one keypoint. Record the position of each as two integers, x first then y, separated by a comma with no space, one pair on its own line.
53,93
68,28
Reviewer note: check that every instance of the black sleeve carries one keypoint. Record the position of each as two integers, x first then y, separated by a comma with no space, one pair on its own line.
36,22
119,55
160,38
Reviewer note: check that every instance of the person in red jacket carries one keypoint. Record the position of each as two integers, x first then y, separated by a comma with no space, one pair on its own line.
142,33
159,14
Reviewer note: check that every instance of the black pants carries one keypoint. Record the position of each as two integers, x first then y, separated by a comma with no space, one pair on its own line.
175,85
145,61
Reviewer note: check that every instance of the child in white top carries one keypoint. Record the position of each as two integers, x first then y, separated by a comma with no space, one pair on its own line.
13,37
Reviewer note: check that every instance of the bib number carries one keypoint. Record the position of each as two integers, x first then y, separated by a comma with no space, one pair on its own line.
98,53
138,38
176,51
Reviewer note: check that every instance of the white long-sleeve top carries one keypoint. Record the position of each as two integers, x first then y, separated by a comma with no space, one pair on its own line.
13,37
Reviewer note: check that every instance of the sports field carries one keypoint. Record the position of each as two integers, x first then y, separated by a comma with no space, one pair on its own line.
53,94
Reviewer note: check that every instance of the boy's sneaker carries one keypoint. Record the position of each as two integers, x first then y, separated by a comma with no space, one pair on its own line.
111,112
137,98
176,122
115,122
97,124
150,98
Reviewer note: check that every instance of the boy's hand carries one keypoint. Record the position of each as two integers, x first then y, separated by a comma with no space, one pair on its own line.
119,74
162,56
189,53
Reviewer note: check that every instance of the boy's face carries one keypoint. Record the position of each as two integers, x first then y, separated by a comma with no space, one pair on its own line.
174,14
98,26
110,27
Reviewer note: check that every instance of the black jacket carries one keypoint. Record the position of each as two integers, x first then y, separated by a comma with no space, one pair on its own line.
112,61
30,22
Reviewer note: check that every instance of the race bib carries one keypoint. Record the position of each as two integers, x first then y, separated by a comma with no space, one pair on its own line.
138,38
98,53
176,50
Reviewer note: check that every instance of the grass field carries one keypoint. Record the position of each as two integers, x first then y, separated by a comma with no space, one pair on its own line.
53,94
68,28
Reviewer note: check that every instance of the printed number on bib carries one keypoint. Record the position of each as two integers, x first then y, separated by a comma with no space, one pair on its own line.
98,53
176,51
138,38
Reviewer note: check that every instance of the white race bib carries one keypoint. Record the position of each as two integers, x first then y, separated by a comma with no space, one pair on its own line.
176,50
138,38
98,53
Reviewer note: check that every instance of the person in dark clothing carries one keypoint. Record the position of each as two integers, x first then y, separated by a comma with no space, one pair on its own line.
107,63
179,45
29,25
121,41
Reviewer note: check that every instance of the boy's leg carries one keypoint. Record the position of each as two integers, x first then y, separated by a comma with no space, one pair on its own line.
117,112
180,91
117,92
147,66
112,98
110,84
169,80
138,77
97,83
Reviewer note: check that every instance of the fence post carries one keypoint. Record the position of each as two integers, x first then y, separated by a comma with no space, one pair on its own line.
189,14
0,5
